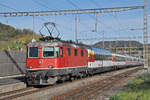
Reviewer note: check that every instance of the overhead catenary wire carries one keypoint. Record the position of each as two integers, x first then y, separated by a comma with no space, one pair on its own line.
115,38
33,22
6,6
80,11
41,4
64,12
116,17
45,6
55,15
69,1
117,20
95,3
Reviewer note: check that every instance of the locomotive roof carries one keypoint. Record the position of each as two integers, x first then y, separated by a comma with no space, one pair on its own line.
64,43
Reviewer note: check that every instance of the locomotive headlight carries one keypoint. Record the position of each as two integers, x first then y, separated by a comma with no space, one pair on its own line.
51,66
30,67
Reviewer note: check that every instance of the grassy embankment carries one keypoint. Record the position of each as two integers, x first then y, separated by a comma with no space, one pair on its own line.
17,43
138,89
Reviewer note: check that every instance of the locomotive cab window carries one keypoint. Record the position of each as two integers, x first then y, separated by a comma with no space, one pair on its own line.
33,52
57,51
48,51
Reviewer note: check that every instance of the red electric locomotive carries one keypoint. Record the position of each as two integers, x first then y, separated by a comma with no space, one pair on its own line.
50,61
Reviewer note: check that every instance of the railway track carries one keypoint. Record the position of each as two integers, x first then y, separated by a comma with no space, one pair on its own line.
92,88
86,92
13,95
17,93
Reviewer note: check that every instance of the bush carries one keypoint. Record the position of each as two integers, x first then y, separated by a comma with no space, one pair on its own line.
138,89
115,97
145,76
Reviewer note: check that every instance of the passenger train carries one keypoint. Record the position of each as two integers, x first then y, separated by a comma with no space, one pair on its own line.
54,60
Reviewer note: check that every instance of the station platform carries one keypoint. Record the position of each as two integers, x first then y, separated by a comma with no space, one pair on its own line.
11,83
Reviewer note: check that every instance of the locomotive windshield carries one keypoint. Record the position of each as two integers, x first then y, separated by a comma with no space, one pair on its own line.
33,52
48,51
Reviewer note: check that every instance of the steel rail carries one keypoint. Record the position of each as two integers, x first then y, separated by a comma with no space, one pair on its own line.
6,95
28,91
108,85
80,89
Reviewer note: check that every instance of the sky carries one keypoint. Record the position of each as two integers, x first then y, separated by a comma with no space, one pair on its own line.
113,25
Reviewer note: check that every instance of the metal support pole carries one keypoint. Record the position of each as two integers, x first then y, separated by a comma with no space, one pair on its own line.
33,40
103,40
96,20
145,37
33,24
76,29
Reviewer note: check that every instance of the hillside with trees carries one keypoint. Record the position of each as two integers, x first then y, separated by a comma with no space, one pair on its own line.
116,44
12,38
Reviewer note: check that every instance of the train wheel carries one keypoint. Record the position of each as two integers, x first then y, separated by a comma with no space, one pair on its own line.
84,75
72,79
52,80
